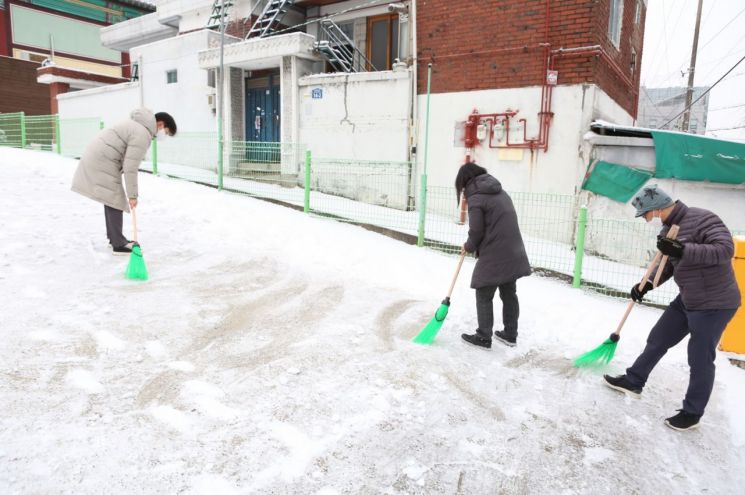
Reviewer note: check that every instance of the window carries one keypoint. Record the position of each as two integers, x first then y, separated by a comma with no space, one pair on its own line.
211,77
382,40
653,124
171,76
638,13
135,76
614,22
632,64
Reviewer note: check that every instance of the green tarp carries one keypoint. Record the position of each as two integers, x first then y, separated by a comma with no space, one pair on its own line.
617,182
691,157
677,156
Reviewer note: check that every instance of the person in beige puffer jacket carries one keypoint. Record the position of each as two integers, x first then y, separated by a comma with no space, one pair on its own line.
115,152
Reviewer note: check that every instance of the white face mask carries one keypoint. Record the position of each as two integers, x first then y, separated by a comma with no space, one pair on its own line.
656,222
161,134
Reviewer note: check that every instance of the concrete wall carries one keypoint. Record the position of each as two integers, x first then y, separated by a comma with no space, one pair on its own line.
361,116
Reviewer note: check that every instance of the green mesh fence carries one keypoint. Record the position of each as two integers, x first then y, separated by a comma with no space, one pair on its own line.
76,134
187,155
41,132
374,193
11,129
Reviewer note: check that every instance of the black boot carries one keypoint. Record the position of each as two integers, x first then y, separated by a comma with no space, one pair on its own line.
622,384
683,421
477,340
508,340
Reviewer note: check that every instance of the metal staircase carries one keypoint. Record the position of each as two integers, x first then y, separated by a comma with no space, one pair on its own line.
268,21
340,51
217,12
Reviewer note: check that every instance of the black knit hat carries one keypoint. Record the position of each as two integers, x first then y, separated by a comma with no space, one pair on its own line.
465,174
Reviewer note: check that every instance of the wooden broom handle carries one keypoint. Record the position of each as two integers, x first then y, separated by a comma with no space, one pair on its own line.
134,224
457,271
658,258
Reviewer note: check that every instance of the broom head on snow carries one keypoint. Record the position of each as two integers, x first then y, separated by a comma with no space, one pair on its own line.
429,332
136,269
601,355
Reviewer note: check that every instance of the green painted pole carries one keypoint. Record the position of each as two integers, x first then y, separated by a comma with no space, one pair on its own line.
220,97
58,134
155,156
580,247
423,187
100,124
23,130
306,201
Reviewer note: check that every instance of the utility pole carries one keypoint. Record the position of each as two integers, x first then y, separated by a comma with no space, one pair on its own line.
692,70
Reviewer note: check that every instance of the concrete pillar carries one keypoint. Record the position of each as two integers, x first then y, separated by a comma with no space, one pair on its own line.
292,151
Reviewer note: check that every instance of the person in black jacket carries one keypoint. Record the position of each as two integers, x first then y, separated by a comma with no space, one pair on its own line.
494,236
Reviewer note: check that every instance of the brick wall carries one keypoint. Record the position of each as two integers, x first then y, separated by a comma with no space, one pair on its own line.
497,44
19,91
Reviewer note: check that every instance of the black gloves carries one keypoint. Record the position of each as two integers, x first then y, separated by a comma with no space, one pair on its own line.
636,294
670,247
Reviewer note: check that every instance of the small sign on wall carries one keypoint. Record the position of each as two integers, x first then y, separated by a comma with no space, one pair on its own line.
317,93
552,77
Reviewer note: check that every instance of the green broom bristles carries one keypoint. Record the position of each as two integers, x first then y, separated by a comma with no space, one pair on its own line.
601,355
136,269
429,332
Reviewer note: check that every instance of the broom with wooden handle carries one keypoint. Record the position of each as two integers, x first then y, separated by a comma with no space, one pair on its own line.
603,354
136,269
429,332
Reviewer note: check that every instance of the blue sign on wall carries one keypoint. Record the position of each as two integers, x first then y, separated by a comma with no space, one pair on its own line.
317,93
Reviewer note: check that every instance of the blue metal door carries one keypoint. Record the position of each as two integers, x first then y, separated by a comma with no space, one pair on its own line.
262,110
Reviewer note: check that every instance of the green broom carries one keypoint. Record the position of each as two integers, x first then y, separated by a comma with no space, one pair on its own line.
603,354
136,269
429,332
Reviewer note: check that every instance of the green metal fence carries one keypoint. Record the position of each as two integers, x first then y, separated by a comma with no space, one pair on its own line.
561,238
12,130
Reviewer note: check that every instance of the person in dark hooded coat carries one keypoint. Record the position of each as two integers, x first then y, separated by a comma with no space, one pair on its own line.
494,237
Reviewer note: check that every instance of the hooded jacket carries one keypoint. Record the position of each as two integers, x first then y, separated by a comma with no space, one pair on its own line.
115,152
493,234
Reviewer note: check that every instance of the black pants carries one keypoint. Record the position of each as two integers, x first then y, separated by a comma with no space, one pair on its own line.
485,309
676,322
114,226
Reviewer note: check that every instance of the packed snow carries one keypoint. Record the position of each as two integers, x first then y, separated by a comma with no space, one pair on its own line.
270,352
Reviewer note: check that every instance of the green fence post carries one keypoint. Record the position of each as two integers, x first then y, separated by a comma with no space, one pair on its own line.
580,247
306,200
58,134
220,150
423,190
23,130
422,211
155,156
100,124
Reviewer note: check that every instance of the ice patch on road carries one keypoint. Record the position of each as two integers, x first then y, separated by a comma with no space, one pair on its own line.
84,380
596,455
181,366
171,416
156,349
211,484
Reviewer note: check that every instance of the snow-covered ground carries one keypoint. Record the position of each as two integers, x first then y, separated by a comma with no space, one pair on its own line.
270,353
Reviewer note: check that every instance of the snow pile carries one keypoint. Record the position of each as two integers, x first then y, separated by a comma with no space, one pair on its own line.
270,353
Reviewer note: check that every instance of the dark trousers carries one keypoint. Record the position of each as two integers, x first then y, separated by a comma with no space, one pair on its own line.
114,220
485,309
676,322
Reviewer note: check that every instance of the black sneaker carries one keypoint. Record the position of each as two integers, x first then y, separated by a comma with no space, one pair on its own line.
621,383
124,250
477,340
683,421
507,340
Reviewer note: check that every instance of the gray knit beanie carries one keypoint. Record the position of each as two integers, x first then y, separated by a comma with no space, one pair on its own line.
651,198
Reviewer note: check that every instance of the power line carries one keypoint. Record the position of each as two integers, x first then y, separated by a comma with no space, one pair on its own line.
727,107
726,128
725,27
705,92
